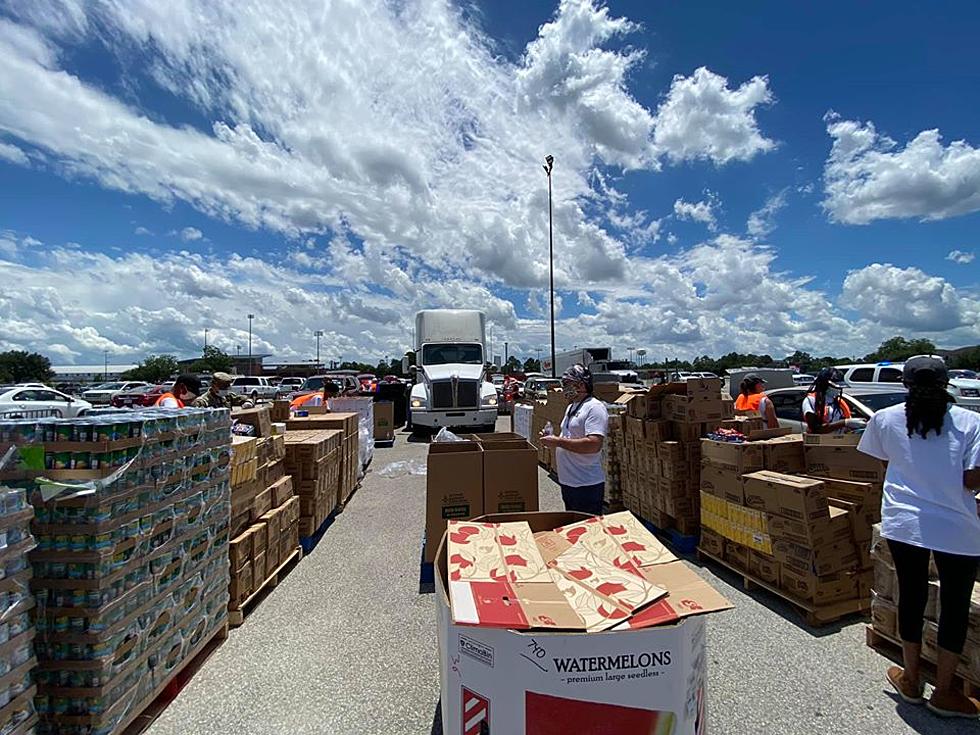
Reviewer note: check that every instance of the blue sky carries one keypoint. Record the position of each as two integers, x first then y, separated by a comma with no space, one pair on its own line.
167,170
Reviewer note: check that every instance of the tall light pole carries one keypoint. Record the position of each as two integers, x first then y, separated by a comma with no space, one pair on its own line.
250,318
318,333
538,350
105,364
238,350
549,162
206,330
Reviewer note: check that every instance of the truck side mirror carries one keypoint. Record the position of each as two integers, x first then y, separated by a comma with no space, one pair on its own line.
405,365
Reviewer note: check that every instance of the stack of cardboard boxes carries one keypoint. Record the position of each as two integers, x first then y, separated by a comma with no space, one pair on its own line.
661,458
384,421
349,461
485,473
762,515
612,459
256,554
884,610
313,460
550,410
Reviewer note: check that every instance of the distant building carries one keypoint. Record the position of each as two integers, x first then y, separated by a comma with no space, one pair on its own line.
90,373
241,364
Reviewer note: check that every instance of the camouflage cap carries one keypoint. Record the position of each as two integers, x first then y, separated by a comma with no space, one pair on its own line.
221,377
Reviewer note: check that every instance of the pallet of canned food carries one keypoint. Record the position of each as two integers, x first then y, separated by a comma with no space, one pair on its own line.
130,572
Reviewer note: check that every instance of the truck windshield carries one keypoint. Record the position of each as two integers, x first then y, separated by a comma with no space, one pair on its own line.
448,353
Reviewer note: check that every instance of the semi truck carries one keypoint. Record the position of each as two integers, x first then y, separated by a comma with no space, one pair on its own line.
451,372
597,359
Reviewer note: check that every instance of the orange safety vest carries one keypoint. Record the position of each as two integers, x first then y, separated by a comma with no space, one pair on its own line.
164,396
303,400
749,402
845,410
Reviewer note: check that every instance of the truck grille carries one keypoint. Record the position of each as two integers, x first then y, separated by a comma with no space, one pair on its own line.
467,394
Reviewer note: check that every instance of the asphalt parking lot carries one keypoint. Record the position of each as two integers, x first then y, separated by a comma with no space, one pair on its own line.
347,645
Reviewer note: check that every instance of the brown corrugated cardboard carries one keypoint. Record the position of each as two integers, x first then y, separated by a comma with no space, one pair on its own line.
454,488
828,559
258,417
241,584
345,422
835,527
384,420
259,538
722,482
784,454
737,555
843,462
510,476
786,495
240,550
712,542
282,491
764,567
259,572
742,458
822,589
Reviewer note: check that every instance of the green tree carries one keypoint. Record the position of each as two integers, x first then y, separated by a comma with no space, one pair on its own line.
214,360
532,366
19,366
154,369
513,365
898,349
966,359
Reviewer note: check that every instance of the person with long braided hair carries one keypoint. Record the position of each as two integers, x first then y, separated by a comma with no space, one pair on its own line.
824,410
928,507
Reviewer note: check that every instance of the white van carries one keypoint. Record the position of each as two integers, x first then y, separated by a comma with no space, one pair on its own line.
885,375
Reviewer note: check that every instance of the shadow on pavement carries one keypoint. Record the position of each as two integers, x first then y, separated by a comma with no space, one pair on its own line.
437,719
773,602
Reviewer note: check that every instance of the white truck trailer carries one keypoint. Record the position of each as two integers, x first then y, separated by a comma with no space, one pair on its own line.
597,359
452,386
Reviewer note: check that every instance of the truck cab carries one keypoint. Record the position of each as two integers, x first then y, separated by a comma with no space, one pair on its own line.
452,386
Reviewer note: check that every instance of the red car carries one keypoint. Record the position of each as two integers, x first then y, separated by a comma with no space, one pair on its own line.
140,397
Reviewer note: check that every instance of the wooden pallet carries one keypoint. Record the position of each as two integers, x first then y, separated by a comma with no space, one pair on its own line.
813,614
236,615
308,543
892,650
147,711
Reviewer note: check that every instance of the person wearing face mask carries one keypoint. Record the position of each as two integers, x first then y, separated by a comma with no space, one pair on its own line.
186,389
578,445
824,411
219,395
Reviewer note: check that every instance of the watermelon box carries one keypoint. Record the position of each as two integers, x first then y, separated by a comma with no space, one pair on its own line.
550,623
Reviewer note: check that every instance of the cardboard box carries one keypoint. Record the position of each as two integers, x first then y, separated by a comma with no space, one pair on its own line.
384,420
794,497
764,568
262,503
815,533
510,476
712,542
485,672
741,458
737,555
259,533
722,482
784,454
829,559
259,572
843,462
818,589
240,550
696,409
884,616
279,412
241,585
453,488
345,422
282,491
259,418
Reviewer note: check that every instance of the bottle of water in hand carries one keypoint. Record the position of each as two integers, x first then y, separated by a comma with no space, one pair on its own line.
548,430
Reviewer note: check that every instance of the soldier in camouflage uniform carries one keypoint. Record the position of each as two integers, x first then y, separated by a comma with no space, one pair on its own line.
218,395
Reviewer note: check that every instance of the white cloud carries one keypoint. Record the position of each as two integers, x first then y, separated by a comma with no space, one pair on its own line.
13,154
868,177
702,211
142,231
189,234
961,257
908,298
762,221
701,118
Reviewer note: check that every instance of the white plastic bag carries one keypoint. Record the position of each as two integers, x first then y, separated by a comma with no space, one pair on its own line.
445,435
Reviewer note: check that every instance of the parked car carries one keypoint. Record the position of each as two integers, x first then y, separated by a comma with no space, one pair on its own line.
964,375
20,402
102,394
883,375
145,395
287,386
348,384
804,379
253,387
863,403
539,387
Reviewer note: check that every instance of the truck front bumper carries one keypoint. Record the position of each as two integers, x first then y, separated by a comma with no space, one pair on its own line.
452,419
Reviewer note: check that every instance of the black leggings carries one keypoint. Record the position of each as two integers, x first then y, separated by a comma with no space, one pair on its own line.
956,576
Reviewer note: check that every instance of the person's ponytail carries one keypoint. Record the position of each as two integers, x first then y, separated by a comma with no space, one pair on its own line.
925,409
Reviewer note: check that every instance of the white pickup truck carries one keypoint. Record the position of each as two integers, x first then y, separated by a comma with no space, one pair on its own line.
253,388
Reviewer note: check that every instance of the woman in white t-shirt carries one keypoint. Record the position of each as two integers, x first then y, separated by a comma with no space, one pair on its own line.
578,446
933,454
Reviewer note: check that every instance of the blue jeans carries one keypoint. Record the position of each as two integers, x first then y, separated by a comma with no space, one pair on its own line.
585,499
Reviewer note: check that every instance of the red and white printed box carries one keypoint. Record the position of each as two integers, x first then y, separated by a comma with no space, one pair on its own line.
647,681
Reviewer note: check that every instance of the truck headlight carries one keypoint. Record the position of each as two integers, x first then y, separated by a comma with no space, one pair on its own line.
417,403
490,400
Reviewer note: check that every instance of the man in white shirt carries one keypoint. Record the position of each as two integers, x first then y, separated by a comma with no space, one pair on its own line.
578,446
